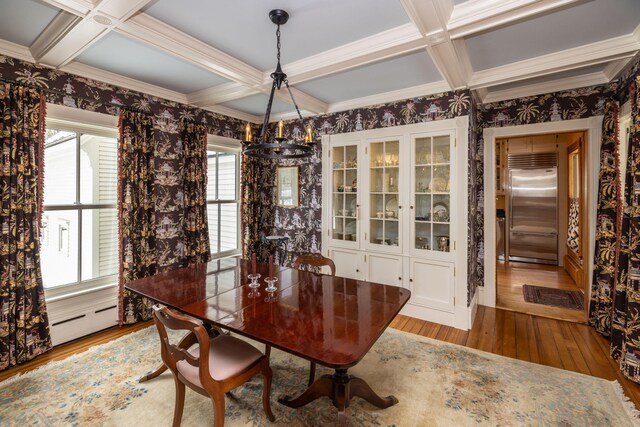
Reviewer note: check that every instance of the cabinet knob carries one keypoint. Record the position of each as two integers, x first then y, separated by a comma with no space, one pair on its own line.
357,271
399,278
357,206
411,280
400,207
411,207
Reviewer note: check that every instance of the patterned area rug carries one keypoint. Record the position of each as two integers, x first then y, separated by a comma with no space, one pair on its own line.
438,384
553,297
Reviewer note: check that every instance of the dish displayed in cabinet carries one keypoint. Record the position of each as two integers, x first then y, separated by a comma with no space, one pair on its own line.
440,212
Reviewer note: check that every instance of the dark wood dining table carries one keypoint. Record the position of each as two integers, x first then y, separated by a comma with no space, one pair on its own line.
330,320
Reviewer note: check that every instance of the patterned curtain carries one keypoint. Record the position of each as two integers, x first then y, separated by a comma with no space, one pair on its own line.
24,324
136,211
625,329
256,210
601,305
196,230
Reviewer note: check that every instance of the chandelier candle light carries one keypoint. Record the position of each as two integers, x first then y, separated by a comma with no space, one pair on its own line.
278,147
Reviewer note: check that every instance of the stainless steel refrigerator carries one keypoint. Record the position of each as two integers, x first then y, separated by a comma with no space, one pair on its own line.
533,208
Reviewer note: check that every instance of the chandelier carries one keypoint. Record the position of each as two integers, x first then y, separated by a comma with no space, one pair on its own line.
277,147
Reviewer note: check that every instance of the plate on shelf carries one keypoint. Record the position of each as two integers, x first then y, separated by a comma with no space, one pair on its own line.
440,212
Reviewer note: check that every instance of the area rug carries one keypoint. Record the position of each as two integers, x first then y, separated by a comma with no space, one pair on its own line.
554,297
437,384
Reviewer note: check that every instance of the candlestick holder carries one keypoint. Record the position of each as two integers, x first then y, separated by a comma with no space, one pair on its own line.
271,284
254,280
254,293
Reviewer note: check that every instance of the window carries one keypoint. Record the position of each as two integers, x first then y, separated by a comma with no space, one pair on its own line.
79,246
222,201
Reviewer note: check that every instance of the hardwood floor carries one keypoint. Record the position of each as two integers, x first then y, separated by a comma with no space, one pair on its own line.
566,345
512,275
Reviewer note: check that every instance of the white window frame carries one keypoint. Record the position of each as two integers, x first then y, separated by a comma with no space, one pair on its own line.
81,122
227,145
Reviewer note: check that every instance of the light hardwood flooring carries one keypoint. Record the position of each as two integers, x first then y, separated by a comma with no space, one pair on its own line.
566,345
512,275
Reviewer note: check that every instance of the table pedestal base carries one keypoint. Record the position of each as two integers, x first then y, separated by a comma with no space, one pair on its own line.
340,388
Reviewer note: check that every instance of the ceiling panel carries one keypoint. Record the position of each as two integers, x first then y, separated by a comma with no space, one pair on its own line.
257,105
243,29
585,23
118,54
550,77
16,27
385,76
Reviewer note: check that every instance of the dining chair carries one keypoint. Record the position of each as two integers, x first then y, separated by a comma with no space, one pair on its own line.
217,366
314,260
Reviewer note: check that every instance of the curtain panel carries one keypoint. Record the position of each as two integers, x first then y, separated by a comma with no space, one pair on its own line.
607,219
24,324
195,225
625,328
257,199
136,211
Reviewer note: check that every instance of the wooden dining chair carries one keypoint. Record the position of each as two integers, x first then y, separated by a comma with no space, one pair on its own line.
217,366
314,260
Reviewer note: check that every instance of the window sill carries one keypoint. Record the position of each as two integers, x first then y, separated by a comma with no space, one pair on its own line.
53,295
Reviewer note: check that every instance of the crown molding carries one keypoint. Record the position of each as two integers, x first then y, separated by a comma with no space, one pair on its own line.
396,95
156,33
76,7
93,73
387,44
614,68
475,16
16,51
221,93
230,112
557,85
582,56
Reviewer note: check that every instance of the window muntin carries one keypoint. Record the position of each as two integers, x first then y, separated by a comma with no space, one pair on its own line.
79,233
222,201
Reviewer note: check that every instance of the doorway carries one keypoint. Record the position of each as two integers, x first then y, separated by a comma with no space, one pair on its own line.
529,272
539,184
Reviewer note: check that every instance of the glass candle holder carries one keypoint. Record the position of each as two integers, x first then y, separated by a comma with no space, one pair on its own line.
254,281
271,284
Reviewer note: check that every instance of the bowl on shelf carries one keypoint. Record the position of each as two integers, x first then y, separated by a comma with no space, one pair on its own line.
379,214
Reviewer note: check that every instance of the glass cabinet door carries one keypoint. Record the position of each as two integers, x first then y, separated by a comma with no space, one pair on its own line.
432,193
344,170
384,176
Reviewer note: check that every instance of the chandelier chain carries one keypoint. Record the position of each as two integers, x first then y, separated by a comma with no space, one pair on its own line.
278,44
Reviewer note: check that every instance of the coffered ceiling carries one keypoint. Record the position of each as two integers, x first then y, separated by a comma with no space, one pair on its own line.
338,54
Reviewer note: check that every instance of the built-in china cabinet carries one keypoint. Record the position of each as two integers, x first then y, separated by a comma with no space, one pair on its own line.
395,212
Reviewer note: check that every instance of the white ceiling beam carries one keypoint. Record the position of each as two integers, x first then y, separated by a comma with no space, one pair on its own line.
221,93
76,7
387,44
472,17
66,38
156,33
451,59
583,56
551,86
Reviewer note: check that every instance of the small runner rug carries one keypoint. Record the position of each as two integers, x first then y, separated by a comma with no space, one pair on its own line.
553,297
436,383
